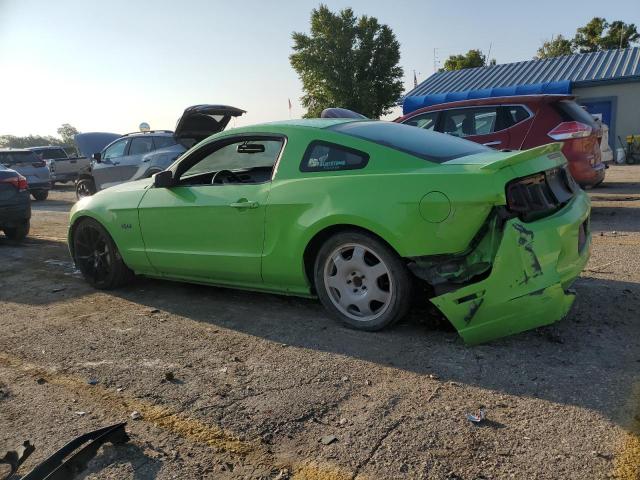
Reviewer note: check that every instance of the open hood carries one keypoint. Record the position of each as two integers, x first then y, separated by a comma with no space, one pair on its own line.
201,121
92,142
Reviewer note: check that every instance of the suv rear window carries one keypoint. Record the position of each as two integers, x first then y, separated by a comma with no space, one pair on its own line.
163,142
432,146
570,111
11,158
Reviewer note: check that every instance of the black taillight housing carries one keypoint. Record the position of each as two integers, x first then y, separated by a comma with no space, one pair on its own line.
540,194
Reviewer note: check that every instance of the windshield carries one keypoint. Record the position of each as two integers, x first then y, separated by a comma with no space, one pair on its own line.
431,146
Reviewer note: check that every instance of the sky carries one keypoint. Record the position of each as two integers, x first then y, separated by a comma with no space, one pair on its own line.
112,64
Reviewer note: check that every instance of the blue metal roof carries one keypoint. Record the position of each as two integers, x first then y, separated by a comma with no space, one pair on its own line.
580,69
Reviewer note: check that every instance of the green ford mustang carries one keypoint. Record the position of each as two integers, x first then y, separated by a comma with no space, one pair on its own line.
357,213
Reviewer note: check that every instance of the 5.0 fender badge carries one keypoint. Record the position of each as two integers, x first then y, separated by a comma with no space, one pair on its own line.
126,226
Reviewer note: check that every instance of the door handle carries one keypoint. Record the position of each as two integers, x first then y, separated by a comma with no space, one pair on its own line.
244,204
490,144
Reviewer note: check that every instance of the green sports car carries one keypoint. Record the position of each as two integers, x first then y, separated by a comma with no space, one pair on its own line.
358,213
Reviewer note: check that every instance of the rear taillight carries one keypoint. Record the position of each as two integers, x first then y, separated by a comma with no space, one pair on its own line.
569,130
19,182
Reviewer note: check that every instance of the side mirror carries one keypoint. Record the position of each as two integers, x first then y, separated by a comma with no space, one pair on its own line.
97,157
163,179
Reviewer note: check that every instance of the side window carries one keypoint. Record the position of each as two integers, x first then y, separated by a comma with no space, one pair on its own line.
425,120
140,145
163,142
328,157
116,150
514,114
252,160
464,122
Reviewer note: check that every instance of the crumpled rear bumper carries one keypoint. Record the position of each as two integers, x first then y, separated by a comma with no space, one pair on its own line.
534,266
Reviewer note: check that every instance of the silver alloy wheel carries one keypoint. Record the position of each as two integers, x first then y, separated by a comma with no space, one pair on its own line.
358,282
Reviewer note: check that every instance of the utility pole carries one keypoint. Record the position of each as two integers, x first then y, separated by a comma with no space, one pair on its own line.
435,60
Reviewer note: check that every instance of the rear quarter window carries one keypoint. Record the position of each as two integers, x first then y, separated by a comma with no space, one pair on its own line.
428,145
330,157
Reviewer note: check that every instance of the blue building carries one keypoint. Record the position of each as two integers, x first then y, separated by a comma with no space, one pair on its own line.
606,83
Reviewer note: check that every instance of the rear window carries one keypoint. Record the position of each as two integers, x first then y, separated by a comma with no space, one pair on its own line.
570,111
51,153
164,142
432,146
11,158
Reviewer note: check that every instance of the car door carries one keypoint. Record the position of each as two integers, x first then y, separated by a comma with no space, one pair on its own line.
103,171
129,165
478,124
210,224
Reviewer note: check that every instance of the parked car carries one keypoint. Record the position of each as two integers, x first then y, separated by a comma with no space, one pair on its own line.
27,164
64,168
522,122
356,212
140,155
606,153
15,204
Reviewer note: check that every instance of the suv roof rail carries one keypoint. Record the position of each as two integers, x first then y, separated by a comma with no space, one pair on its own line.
146,133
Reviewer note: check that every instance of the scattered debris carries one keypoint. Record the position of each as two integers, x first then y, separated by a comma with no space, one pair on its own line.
368,382
434,393
235,359
70,460
328,439
135,415
92,381
342,421
151,311
59,289
283,474
15,458
81,413
169,376
477,418
223,369
345,379
119,389
433,376
41,381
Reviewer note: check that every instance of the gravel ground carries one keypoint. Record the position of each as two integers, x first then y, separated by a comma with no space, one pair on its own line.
232,384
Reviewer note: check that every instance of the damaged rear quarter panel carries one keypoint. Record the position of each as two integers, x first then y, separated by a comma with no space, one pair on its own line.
534,265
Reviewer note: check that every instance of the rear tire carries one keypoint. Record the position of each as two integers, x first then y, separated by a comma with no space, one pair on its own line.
40,195
85,187
362,282
97,257
19,233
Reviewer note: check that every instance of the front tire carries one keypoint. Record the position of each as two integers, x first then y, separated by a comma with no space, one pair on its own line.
19,233
40,195
85,187
362,282
97,257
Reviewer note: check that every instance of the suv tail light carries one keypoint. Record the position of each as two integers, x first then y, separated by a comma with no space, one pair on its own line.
569,130
19,182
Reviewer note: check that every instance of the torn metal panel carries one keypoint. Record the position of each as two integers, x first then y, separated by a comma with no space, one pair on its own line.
57,468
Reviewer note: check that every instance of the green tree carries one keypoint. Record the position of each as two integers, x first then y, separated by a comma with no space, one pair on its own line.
67,132
13,141
556,47
471,59
599,34
347,62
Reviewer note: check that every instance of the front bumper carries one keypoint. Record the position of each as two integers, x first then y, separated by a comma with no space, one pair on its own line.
534,266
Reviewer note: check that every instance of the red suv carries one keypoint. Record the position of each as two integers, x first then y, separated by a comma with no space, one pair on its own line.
518,123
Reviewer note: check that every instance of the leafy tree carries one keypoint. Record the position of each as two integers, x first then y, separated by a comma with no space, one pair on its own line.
67,132
556,47
347,62
599,34
471,59
13,141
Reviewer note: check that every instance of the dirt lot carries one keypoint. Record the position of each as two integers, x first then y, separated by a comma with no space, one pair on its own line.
260,379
